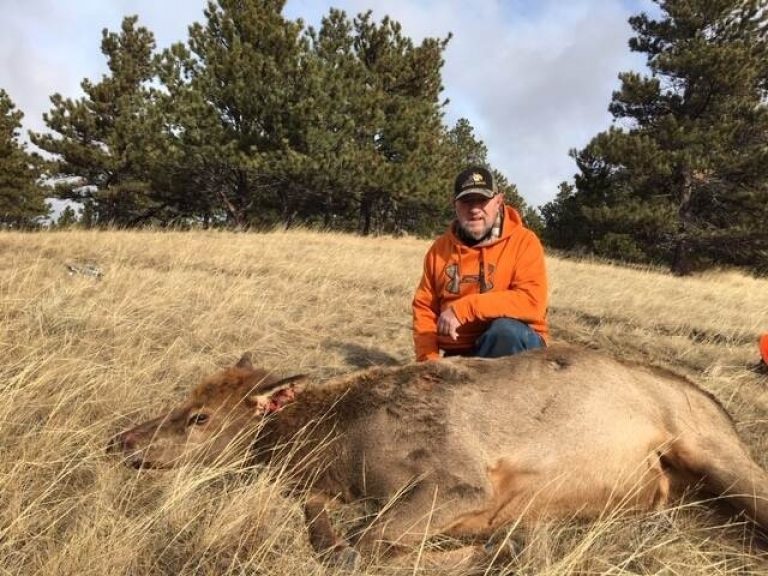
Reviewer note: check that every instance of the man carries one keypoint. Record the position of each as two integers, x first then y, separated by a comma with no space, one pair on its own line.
484,287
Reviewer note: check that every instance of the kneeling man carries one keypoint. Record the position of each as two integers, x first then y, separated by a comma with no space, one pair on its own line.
484,287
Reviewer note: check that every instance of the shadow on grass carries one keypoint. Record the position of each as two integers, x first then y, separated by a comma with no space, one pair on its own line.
362,357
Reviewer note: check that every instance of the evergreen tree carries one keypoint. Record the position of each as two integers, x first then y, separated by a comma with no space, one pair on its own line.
67,218
256,121
564,224
464,149
331,166
339,126
684,180
511,194
22,201
407,169
106,136
375,136
234,96
464,146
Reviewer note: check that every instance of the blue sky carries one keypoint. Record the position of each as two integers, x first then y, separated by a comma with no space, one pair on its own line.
534,77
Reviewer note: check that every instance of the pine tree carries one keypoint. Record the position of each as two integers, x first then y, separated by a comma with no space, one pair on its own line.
464,149
106,136
376,124
235,91
464,146
329,168
339,126
67,218
406,143
683,177
22,201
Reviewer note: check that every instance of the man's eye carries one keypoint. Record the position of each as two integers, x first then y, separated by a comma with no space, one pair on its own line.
197,419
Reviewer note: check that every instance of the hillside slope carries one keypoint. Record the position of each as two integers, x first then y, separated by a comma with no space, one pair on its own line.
86,355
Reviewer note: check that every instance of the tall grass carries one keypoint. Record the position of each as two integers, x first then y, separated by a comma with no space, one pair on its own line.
85,356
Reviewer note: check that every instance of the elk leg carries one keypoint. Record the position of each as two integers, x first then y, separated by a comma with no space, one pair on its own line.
726,469
401,533
462,560
323,537
399,541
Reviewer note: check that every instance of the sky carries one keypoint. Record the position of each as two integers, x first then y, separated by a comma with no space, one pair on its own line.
534,77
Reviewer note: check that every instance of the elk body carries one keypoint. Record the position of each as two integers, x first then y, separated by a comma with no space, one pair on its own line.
464,446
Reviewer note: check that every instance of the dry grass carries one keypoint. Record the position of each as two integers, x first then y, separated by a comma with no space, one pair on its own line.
84,357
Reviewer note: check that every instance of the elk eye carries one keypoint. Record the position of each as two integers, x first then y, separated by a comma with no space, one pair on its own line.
197,419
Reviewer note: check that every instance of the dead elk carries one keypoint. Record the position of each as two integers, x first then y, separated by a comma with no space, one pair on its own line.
469,445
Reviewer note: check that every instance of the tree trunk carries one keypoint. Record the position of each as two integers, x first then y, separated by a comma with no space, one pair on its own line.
366,208
328,210
682,264
235,215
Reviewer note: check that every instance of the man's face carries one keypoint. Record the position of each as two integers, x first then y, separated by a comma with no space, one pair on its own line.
476,214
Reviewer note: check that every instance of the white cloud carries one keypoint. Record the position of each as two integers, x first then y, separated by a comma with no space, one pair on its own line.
533,77
49,46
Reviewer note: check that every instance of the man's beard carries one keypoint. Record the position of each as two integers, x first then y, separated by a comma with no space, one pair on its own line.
471,238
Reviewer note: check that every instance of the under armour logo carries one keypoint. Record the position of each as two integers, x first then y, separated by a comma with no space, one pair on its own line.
452,271
455,280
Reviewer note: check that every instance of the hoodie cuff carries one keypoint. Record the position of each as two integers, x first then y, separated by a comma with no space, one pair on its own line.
462,308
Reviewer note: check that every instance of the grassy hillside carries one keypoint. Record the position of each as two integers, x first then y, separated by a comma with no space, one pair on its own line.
83,357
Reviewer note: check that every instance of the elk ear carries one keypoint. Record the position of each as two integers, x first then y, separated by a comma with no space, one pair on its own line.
279,394
245,362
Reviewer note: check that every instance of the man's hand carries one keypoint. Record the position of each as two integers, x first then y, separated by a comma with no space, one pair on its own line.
448,324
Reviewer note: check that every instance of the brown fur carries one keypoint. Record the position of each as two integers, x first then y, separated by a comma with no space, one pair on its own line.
467,445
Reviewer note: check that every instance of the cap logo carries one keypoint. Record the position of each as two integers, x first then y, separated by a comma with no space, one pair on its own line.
475,179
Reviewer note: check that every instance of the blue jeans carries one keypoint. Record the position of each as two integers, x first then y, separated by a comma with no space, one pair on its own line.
506,336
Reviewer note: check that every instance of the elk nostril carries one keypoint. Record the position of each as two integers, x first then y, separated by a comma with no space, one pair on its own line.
123,442
114,444
128,441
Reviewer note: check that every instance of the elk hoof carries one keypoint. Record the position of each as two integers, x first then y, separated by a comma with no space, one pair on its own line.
346,559
504,547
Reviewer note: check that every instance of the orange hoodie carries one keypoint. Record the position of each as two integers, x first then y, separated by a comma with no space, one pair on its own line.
481,283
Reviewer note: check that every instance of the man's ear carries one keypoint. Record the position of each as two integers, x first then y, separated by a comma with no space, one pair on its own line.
245,362
279,394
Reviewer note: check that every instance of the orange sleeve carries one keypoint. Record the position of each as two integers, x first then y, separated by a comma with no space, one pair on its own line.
426,309
526,298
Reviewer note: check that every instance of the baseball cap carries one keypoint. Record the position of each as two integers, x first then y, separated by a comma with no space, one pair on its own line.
474,180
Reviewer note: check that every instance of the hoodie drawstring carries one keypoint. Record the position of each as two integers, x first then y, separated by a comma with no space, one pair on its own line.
481,272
